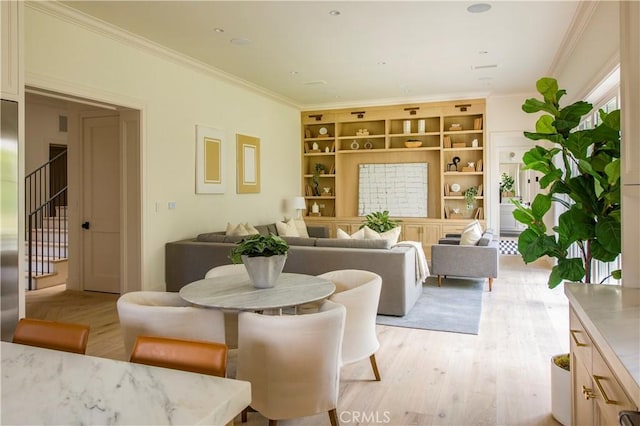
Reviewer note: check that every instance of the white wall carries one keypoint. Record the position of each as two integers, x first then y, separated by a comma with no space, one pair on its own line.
65,56
41,130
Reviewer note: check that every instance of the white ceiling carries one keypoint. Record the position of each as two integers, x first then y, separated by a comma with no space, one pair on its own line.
299,51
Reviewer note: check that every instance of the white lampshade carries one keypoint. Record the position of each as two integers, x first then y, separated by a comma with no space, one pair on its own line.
298,203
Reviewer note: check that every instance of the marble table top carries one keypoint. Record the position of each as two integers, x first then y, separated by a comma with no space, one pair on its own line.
43,386
611,316
236,292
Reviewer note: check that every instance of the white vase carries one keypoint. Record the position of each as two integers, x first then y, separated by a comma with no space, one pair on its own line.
406,126
422,126
264,271
560,393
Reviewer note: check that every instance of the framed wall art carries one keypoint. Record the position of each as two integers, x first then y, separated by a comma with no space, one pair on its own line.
210,165
248,164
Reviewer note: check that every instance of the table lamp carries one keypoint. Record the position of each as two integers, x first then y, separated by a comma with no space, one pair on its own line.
299,204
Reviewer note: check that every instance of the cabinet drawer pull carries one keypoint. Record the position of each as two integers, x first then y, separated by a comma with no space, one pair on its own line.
575,339
587,392
601,389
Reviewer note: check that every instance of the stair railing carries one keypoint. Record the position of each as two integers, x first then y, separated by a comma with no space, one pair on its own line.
44,221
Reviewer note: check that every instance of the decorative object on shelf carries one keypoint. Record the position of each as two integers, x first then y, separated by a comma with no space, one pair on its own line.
506,185
333,146
480,189
592,216
455,127
477,124
455,214
455,190
318,169
326,190
306,148
326,149
470,196
413,143
459,145
315,146
299,204
368,145
470,167
263,256
248,169
323,132
362,132
307,133
474,143
454,164
210,164
355,145
447,190
406,126
447,141
315,208
422,126
479,166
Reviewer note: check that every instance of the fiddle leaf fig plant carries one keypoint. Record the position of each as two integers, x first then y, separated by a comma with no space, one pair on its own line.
581,172
379,221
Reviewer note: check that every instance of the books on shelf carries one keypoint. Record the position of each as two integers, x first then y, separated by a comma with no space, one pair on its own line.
477,124
447,141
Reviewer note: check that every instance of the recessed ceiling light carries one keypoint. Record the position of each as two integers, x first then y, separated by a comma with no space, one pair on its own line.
483,52
240,41
382,62
218,30
334,12
293,72
478,8
484,67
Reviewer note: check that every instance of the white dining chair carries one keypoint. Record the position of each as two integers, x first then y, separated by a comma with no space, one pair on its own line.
230,317
359,292
165,314
292,362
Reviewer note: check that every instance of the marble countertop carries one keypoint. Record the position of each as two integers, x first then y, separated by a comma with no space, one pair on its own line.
611,316
236,292
42,386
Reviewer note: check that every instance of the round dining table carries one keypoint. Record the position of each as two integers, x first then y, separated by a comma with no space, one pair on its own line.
236,292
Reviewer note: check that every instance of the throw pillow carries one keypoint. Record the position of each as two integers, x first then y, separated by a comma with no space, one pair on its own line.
251,230
392,235
287,229
473,224
471,235
236,230
359,235
302,227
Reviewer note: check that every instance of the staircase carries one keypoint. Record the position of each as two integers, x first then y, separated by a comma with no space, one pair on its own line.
46,244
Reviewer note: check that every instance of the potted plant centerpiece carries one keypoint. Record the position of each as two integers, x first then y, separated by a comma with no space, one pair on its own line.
263,257
581,172
380,222
506,185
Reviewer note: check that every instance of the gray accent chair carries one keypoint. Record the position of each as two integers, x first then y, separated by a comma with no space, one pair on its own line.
449,258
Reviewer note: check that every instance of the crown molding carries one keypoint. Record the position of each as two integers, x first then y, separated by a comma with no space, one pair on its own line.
573,35
75,17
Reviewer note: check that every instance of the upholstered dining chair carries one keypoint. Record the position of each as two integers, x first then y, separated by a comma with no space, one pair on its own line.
61,336
164,314
188,355
359,292
230,317
292,362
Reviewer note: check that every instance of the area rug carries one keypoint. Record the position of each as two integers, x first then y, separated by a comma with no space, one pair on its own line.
509,248
455,307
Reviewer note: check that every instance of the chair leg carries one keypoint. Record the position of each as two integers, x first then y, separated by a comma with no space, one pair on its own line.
374,366
273,422
333,417
490,283
243,417
439,280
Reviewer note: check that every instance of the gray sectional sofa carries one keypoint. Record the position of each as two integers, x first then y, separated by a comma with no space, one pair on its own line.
188,260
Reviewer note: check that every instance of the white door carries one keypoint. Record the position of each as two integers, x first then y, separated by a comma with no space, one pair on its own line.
101,204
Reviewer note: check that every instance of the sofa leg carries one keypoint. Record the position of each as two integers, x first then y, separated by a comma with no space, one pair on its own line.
490,283
439,280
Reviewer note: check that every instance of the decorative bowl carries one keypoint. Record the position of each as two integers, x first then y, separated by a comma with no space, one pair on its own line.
413,144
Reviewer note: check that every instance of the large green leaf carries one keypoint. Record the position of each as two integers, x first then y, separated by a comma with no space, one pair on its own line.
555,277
605,133
609,234
545,124
533,105
611,119
578,143
533,247
612,170
571,269
553,137
574,225
548,88
601,253
540,206
550,177
569,117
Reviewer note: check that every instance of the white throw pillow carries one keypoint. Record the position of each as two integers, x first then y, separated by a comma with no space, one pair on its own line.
251,230
236,230
471,235
302,227
287,229
359,235
474,224
392,235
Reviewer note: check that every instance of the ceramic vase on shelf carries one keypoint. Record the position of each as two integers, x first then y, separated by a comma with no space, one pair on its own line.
315,208
422,126
264,271
406,126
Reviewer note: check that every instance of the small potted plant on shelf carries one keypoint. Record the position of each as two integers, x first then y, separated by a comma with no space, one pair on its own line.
506,185
318,169
263,256
582,173
470,196
379,221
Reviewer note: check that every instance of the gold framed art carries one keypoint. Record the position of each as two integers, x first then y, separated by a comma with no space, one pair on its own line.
210,164
248,164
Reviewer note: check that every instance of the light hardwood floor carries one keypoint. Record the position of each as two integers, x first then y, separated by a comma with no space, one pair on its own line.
499,377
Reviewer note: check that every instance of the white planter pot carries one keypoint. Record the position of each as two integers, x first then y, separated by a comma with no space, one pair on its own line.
560,394
264,271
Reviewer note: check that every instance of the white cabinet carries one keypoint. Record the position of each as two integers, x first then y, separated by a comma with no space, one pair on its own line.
507,221
10,14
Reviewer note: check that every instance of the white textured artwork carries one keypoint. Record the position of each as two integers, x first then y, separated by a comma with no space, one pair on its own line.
400,188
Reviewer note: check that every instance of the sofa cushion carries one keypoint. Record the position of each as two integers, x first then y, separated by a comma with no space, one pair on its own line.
471,235
211,237
251,229
234,238
358,235
300,241
267,229
391,235
487,237
302,227
353,243
237,229
287,229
